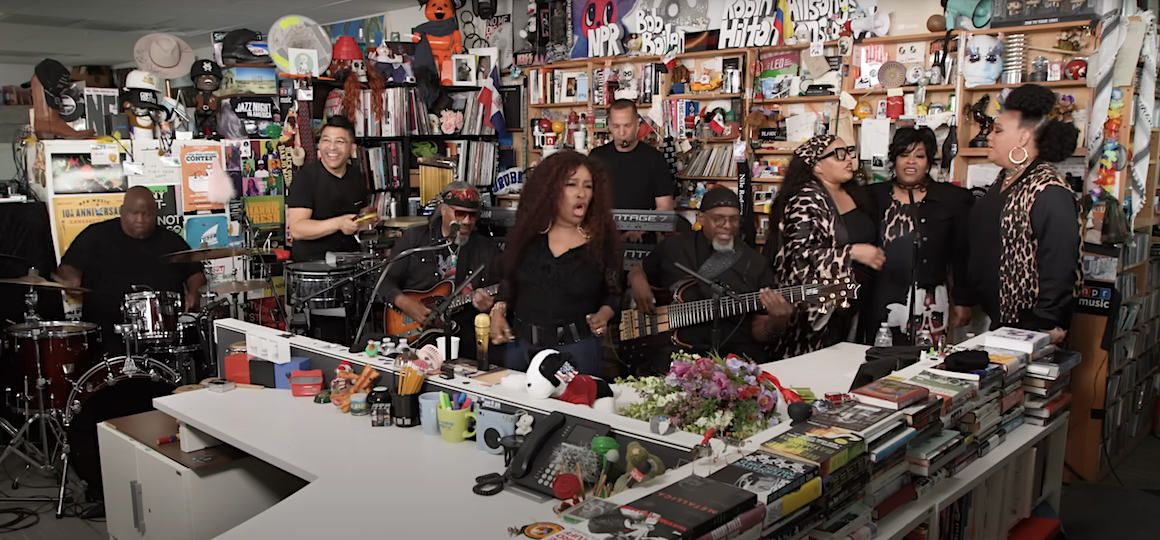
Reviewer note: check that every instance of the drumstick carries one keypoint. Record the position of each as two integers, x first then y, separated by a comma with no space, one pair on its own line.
365,218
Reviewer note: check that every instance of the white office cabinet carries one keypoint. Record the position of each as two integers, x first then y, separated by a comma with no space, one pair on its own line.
148,496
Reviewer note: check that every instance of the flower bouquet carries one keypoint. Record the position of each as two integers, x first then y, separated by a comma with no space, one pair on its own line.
704,392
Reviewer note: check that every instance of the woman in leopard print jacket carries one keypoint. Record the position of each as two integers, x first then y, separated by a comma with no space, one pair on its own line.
1025,233
825,225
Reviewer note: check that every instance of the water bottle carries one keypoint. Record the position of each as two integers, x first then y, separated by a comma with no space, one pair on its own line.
925,342
884,338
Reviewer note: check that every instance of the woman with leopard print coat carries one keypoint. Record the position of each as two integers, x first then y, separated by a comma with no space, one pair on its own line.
1025,233
825,228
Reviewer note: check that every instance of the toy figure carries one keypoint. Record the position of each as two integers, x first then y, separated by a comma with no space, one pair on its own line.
349,67
392,63
635,456
1031,6
1014,8
139,99
207,77
978,112
633,44
437,39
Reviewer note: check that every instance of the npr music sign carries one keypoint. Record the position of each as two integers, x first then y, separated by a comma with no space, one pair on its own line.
749,23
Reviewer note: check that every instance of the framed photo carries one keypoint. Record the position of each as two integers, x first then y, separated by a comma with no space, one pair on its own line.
463,68
486,58
304,62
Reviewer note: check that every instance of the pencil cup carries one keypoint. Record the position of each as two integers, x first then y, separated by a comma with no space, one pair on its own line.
428,403
453,424
405,410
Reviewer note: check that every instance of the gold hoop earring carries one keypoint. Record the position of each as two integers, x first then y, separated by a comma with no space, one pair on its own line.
1021,161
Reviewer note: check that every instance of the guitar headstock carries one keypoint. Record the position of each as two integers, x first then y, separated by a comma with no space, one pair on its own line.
833,291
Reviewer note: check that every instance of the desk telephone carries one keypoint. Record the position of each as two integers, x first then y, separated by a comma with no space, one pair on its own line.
533,466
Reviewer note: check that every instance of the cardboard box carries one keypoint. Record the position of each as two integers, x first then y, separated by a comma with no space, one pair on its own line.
93,76
249,80
282,371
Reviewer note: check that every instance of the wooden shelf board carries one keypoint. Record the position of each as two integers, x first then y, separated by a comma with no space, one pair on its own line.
1049,84
704,96
724,53
929,88
1033,28
563,105
714,178
798,99
773,151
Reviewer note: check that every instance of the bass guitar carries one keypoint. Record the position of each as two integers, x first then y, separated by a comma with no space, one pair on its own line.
400,324
666,319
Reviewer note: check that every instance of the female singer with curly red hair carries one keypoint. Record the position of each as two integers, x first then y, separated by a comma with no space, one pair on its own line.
562,266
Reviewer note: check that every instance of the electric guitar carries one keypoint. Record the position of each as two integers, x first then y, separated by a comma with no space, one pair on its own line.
666,319
400,324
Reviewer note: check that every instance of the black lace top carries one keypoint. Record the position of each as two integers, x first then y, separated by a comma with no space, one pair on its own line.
554,291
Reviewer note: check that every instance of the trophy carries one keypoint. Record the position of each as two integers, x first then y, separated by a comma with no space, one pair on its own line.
978,112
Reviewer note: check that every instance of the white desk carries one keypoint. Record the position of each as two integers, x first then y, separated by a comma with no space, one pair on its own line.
406,484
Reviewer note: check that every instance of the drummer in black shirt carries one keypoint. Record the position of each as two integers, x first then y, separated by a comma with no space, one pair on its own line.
715,253
327,196
111,257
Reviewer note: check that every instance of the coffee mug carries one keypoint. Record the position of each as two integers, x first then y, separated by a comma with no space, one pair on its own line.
453,424
428,403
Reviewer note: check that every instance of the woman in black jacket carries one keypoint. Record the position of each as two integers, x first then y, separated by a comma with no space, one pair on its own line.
922,225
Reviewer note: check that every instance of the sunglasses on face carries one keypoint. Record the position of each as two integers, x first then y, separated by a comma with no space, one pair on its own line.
840,153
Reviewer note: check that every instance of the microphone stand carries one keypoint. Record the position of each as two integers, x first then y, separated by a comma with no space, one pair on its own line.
356,344
440,311
719,290
913,292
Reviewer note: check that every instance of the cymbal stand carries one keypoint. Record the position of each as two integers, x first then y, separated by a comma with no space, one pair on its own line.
30,301
47,422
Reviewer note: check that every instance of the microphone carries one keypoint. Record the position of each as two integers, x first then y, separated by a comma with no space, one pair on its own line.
221,301
453,234
335,258
624,144
482,340
638,474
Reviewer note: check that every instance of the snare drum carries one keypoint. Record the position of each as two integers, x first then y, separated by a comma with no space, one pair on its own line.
155,315
65,352
184,355
306,278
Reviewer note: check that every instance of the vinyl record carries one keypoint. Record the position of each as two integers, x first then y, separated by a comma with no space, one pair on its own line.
892,74
72,104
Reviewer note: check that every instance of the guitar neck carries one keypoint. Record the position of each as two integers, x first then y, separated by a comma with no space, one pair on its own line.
465,298
637,324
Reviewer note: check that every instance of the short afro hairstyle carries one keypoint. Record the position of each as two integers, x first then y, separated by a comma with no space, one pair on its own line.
1056,140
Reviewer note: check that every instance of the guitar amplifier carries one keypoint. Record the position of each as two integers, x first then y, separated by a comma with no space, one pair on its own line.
626,220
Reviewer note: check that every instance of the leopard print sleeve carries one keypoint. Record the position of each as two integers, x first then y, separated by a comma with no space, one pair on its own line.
809,251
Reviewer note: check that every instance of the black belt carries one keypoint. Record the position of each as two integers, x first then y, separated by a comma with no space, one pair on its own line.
551,336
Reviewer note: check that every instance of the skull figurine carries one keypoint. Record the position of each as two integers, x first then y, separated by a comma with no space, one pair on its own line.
359,68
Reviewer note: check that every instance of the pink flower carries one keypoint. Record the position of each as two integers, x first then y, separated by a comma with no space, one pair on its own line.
721,381
766,401
706,366
680,369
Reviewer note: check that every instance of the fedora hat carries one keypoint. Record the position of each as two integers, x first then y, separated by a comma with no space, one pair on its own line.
165,55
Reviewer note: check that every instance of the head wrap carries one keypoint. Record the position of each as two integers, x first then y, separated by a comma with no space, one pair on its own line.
718,197
461,195
811,151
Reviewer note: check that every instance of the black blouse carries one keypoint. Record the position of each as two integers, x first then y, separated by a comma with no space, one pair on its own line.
555,291
1054,210
941,225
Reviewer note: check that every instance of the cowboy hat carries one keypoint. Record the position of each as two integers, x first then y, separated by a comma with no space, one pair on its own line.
297,32
165,55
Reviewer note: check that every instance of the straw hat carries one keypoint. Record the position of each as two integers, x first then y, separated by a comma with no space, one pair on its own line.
165,55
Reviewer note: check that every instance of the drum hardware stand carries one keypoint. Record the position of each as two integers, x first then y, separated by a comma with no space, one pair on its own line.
46,421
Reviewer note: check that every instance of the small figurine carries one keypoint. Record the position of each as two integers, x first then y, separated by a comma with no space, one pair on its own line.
340,385
372,349
978,112
207,78
641,467
437,40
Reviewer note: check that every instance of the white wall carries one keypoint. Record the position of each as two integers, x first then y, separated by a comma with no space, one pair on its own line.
15,73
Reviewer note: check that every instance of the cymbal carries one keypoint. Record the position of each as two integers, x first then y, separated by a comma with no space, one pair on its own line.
231,287
203,254
403,222
37,281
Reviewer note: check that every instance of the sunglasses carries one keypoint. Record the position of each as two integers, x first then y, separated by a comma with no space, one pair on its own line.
840,153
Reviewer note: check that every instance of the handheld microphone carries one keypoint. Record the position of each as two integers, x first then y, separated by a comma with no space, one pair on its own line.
638,474
453,232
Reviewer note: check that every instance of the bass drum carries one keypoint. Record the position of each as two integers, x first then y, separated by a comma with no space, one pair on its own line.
119,387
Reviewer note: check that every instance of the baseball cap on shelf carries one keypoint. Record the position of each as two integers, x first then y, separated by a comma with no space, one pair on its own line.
141,80
141,98
55,78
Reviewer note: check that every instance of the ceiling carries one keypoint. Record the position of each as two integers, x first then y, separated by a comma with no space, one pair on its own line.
103,32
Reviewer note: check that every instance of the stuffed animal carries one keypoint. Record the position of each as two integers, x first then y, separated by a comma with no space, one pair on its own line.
524,424
635,456
551,376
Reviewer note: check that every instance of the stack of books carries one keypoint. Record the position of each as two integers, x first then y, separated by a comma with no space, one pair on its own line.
890,394
1046,385
928,456
843,467
957,395
783,485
